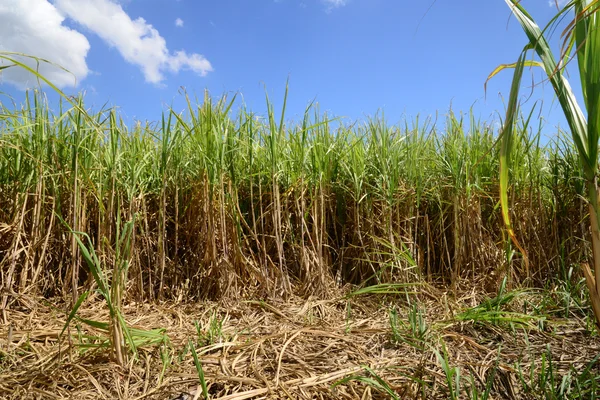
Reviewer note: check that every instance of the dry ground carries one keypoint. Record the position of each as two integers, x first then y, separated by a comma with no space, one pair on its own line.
297,349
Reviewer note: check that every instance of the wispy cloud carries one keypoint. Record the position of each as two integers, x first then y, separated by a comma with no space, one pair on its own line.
179,22
561,3
331,4
36,27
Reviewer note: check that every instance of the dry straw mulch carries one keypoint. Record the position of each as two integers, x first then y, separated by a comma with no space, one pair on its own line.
296,349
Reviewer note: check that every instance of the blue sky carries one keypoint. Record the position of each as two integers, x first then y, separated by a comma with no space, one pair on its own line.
354,57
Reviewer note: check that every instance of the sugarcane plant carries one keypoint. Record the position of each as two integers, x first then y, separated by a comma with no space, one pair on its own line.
121,336
581,40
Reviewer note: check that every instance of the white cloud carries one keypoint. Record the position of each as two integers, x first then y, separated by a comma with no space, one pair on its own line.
331,4
179,22
36,27
193,62
136,40
561,3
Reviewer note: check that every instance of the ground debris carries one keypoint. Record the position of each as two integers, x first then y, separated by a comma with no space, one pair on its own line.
298,349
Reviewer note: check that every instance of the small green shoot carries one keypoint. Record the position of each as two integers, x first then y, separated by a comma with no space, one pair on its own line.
199,370
373,380
452,374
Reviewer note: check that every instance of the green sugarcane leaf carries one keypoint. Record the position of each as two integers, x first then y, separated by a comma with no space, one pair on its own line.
506,149
502,67
560,84
73,312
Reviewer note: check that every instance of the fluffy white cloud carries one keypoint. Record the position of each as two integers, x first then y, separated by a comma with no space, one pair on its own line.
138,42
36,27
179,22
